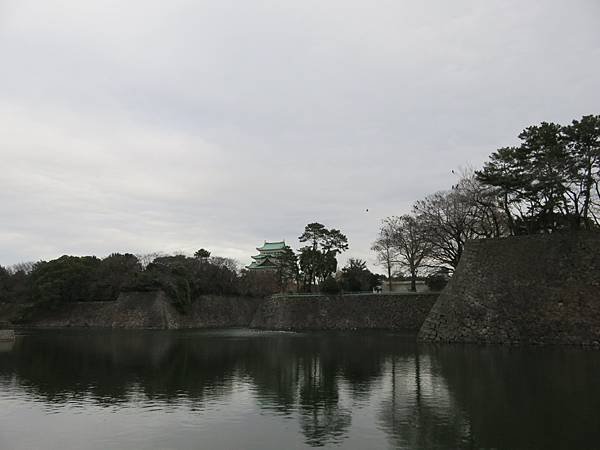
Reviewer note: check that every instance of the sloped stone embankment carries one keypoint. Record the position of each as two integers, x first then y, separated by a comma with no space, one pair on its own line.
540,289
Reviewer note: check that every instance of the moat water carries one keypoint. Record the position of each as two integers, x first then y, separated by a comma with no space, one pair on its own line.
244,389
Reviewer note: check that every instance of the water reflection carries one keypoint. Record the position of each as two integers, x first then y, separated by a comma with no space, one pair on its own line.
420,411
525,398
349,390
6,346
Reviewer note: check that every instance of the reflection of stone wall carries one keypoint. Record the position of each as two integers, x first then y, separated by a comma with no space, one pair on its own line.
151,310
394,312
521,398
8,311
528,289
7,335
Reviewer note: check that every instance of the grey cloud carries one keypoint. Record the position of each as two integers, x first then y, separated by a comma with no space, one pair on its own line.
134,126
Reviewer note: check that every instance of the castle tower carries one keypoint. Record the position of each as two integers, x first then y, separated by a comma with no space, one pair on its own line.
268,256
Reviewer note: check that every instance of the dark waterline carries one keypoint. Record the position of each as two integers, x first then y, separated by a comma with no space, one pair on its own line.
231,389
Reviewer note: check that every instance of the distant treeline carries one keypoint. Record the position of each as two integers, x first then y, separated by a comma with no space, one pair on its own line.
185,278
182,278
88,278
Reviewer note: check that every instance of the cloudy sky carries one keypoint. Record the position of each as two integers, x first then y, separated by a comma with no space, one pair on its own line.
149,125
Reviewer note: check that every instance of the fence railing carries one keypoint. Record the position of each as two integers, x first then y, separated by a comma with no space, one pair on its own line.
349,294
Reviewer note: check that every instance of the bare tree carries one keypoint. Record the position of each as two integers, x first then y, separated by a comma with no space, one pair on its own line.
488,217
411,245
25,267
147,258
447,222
450,218
385,246
228,263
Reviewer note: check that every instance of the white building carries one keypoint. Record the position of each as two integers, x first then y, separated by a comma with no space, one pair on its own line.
403,286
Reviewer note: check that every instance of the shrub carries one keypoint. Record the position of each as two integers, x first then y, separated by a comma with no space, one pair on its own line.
436,282
330,286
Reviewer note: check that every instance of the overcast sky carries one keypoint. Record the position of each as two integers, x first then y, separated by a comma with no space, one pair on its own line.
146,125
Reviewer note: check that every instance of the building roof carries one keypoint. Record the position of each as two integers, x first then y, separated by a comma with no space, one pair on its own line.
265,263
262,256
268,257
269,246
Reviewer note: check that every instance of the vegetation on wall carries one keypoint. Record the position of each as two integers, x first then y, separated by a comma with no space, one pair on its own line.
547,184
88,278
318,259
551,180
356,277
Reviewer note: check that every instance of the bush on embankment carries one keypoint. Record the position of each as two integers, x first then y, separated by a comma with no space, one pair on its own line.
47,285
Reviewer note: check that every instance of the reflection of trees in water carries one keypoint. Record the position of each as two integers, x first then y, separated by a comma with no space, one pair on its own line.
322,419
6,346
357,361
439,396
461,396
527,397
109,366
302,373
426,396
419,411
287,373
272,368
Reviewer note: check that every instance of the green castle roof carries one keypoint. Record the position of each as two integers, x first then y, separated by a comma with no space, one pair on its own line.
268,257
265,263
269,246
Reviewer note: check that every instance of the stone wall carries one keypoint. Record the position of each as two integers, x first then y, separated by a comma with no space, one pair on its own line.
154,310
540,289
151,310
212,311
385,311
